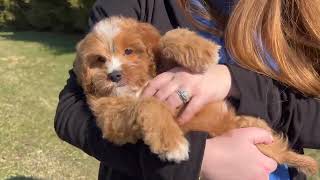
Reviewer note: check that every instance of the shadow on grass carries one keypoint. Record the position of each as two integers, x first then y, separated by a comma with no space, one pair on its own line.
59,43
21,178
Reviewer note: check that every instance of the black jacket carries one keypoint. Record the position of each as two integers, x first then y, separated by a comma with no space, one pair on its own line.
286,111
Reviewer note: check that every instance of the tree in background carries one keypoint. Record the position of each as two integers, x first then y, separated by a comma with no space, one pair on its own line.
48,15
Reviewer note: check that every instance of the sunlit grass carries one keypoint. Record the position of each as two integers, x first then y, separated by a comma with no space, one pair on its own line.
33,69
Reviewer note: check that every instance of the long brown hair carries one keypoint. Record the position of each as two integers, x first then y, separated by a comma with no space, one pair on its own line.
288,30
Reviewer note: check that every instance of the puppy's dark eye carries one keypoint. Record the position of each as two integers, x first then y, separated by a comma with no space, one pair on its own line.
101,59
128,51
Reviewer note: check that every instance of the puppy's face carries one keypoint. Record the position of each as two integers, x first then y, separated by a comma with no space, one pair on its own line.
117,57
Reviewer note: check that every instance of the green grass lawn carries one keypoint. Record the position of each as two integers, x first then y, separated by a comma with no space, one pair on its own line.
33,69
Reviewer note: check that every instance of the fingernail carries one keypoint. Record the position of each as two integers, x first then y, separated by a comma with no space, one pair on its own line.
180,121
271,137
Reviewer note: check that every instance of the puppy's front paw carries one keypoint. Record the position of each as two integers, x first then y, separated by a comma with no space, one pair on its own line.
177,154
187,49
161,132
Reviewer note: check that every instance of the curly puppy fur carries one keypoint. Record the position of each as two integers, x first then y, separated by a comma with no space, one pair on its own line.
117,59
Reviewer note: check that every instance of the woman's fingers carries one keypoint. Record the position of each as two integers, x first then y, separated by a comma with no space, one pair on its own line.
167,90
232,150
157,83
174,102
269,164
194,106
258,136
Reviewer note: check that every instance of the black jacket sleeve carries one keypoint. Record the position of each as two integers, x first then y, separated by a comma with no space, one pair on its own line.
107,8
74,122
163,14
285,110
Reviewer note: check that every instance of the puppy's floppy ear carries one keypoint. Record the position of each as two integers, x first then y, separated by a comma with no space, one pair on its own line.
150,36
80,67
78,63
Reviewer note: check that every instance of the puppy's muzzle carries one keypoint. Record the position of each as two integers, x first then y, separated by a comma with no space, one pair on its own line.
115,76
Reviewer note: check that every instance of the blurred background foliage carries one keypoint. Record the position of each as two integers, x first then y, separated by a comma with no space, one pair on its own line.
45,15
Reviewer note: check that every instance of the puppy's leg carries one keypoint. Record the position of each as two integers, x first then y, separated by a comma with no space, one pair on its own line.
214,118
116,118
188,50
161,132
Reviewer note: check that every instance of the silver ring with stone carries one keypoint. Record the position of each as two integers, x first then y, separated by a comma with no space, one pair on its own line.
184,96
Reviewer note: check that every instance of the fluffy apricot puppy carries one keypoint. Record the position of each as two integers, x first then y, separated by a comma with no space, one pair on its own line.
117,59
114,62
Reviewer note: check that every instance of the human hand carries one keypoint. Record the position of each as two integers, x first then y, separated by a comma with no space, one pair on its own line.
234,156
212,85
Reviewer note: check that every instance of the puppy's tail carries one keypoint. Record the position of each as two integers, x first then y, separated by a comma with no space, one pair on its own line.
303,163
282,154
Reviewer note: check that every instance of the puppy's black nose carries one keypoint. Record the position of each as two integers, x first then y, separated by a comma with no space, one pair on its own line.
115,76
